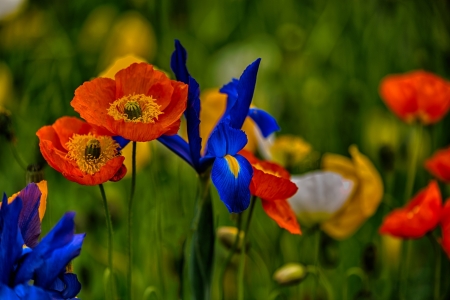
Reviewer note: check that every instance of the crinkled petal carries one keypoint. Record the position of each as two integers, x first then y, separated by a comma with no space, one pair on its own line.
265,122
232,176
11,240
225,140
281,212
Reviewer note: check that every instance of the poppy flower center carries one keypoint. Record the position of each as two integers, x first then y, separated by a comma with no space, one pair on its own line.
135,108
91,153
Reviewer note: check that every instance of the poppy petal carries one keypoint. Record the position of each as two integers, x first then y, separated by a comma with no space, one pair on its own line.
281,212
225,140
419,216
445,226
232,176
439,164
271,187
266,123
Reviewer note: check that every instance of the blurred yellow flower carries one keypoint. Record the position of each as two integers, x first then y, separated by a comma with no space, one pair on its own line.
6,83
289,150
119,64
213,105
364,200
131,34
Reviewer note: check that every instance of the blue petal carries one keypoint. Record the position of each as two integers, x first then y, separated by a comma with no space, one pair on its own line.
266,123
192,114
73,286
29,222
25,291
178,63
232,176
7,293
121,141
231,89
179,146
57,262
61,235
225,140
11,240
244,90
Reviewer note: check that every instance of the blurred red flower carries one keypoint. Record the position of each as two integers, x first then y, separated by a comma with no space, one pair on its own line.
417,95
141,104
419,216
445,226
439,164
83,153
271,184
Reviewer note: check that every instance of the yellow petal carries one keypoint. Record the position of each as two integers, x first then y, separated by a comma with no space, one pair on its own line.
289,150
366,198
119,64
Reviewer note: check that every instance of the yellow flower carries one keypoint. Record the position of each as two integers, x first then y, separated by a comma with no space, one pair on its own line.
289,150
365,199
213,106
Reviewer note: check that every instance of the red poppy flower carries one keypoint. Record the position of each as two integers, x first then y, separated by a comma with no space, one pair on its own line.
141,104
445,226
439,164
417,95
271,184
82,152
418,217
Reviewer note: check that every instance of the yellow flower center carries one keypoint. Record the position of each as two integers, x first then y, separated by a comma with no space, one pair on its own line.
91,153
135,108
233,165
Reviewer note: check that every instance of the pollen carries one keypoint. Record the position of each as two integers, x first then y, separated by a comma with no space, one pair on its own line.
233,165
91,153
135,108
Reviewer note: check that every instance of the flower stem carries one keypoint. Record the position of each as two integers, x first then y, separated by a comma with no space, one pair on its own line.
130,223
242,257
110,240
230,255
17,157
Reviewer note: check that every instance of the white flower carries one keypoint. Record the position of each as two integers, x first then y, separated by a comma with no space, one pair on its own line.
8,6
320,194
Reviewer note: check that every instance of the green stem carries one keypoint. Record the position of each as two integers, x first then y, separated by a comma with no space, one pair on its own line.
130,223
437,267
110,240
242,257
316,258
230,255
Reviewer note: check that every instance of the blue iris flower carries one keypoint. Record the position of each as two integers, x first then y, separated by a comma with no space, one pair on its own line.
44,264
231,173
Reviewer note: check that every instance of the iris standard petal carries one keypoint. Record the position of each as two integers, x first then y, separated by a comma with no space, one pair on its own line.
245,90
177,145
266,123
178,63
232,176
11,241
192,114
225,140
231,90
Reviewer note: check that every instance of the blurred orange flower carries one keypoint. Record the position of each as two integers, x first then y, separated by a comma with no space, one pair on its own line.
83,153
439,164
419,216
271,184
445,226
140,105
417,95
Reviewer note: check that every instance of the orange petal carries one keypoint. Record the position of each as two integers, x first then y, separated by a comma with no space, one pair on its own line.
280,211
270,187
439,164
42,185
445,226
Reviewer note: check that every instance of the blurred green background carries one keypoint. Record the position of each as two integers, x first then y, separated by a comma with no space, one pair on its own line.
322,62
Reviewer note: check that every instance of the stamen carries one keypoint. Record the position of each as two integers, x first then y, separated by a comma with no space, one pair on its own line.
91,153
135,108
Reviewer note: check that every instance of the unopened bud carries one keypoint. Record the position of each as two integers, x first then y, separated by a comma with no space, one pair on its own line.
34,173
290,274
227,236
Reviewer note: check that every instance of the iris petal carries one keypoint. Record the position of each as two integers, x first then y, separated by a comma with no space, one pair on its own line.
121,141
192,114
29,222
177,145
225,140
266,123
178,63
232,176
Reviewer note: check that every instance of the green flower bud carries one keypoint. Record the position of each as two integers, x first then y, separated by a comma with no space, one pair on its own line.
290,274
227,236
34,173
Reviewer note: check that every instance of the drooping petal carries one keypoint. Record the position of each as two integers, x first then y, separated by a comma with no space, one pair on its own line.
439,164
445,226
231,176
282,213
178,146
419,216
11,240
320,194
265,122
225,140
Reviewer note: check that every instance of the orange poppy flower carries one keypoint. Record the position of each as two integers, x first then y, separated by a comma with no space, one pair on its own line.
416,95
439,164
141,104
83,153
419,216
445,226
271,184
